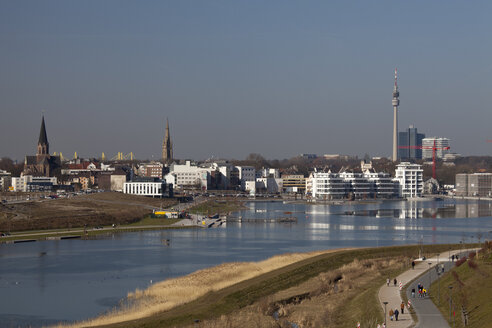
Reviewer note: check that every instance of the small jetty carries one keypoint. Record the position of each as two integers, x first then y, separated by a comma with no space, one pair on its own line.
63,237
287,219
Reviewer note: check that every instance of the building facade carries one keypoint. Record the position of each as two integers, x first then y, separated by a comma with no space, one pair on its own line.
410,178
408,141
440,143
474,185
148,187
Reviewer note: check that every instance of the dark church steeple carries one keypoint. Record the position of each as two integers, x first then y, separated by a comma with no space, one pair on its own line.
43,145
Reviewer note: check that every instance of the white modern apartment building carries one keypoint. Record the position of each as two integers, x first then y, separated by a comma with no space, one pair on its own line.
348,184
326,186
428,144
410,178
382,184
357,184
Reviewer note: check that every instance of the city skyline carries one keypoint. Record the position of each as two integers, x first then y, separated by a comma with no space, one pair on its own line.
278,79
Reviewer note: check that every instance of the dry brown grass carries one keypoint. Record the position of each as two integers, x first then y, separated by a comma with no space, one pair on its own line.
94,209
322,308
170,293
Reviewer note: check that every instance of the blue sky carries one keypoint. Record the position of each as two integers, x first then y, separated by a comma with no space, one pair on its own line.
234,77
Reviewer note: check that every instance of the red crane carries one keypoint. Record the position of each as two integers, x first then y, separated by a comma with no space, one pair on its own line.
434,148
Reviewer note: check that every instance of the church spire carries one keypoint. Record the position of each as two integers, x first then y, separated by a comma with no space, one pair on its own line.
167,146
43,145
43,138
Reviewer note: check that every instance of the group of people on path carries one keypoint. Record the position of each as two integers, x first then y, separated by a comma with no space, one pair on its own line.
388,282
421,290
395,313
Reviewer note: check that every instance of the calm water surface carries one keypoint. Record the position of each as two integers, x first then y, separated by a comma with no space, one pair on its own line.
46,282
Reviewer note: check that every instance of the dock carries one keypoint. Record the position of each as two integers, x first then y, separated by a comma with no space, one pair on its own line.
288,219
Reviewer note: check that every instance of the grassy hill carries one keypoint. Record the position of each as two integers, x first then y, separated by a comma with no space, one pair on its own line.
471,279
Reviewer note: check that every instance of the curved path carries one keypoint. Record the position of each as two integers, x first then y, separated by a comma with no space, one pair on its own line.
428,314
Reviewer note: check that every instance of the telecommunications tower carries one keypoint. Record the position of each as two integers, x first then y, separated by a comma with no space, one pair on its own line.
396,103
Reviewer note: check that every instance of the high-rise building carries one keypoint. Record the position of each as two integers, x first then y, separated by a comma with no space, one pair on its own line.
167,146
440,143
408,141
396,103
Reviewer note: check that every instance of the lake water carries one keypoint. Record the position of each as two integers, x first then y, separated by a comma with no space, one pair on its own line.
46,282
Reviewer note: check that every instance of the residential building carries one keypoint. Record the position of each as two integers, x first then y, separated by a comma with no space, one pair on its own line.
246,173
410,179
5,180
475,184
382,184
440,143
269,185
27,183
358,186
327,186
268,173
408,141
294,183
152,170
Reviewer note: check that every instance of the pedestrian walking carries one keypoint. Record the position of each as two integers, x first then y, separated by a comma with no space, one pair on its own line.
413,292
396,314
394,282
402,307
388,282
391,314
413,265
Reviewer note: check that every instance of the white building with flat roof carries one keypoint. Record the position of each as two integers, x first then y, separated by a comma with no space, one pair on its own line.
410,178
190,176
246,173
148,188
326,185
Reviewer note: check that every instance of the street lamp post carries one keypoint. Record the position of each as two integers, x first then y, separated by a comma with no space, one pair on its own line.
450,303
428,289
438,282
385,313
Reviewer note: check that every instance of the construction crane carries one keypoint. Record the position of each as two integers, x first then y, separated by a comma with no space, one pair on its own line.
120,157
60,155
103,157
434,148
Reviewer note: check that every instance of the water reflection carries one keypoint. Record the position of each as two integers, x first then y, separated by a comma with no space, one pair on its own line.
415,211
46,281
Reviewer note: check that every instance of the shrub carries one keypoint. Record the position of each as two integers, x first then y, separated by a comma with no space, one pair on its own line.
457,278
460,261
472,265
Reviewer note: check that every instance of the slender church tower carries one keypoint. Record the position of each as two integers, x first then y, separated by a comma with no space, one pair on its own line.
167,146
43,145
396,103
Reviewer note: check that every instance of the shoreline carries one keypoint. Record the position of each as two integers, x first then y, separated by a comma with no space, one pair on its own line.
211,287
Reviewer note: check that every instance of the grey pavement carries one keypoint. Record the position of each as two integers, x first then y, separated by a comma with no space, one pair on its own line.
428,314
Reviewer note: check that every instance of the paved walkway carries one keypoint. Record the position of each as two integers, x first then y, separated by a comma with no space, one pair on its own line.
391,294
